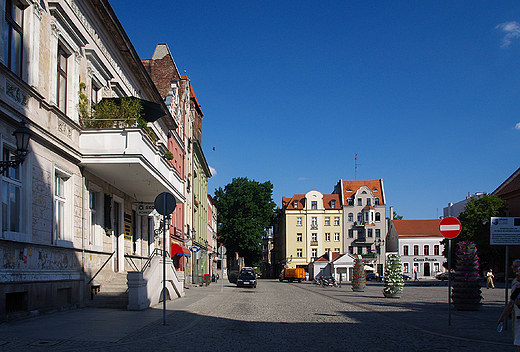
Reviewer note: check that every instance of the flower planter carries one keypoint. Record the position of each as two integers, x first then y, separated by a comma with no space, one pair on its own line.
466,291
392,295
359,280
358,289
393,281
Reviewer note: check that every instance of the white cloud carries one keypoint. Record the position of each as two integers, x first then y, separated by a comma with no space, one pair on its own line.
303,179
213,171
517,127
512,31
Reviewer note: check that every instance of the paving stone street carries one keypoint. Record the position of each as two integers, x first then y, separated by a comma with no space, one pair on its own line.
274,316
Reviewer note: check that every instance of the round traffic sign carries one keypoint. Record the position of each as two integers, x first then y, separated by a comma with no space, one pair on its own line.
165,203
222,250
450,227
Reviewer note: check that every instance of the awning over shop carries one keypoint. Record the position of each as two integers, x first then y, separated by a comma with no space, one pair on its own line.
177,249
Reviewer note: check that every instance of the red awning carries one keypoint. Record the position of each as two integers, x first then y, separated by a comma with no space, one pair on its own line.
177,249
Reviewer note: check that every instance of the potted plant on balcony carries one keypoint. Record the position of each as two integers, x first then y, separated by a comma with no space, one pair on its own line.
393,281
466,292
168,155
359,280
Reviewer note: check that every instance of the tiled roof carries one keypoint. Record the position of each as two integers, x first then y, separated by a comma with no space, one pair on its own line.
288,203
417,228
327,201
351,187
325,257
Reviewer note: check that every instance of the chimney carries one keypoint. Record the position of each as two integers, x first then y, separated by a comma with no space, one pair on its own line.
391,213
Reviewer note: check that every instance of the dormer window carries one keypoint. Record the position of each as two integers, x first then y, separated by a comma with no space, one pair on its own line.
314,205
333,204
295,204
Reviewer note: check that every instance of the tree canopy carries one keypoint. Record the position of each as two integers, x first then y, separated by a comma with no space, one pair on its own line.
475,222
245,209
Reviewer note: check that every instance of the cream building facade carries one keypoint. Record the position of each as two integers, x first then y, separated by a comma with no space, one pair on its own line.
70,214
309,225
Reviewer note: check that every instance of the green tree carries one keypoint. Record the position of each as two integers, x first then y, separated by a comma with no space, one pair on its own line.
475,222
245,209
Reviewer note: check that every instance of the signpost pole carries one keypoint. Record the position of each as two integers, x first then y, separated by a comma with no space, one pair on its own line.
449,282
222,271
507,283
450,228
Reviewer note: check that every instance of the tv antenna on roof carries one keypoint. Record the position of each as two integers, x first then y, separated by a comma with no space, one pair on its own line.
355,167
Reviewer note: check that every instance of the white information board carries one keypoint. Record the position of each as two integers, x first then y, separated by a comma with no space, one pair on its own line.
505,231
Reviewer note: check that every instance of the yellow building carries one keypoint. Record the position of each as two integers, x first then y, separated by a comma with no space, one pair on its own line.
309,225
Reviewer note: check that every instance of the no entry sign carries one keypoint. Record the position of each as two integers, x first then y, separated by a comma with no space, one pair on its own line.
450,227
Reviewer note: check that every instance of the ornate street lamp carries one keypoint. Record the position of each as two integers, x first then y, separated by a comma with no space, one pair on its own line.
379,242
22,135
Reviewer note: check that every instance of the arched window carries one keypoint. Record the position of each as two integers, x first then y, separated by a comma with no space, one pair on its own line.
378,216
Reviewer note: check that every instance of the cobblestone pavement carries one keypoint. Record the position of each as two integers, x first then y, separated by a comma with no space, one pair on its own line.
279,316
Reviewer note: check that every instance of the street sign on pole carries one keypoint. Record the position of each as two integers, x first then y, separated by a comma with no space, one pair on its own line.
450,227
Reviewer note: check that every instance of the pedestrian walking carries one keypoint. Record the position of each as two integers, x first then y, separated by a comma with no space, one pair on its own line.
489,279
514,305
415,274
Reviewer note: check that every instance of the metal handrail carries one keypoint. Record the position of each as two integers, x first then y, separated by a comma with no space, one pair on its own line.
102,266
155,252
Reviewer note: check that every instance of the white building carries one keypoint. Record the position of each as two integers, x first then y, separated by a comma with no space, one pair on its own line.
419,244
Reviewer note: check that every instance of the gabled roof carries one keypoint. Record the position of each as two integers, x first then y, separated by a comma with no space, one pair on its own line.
351,187
417,228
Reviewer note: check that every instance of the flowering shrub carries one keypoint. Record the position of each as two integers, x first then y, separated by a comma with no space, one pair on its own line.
393,282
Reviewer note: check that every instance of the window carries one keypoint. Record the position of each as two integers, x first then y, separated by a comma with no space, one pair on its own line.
416,250
327,237
426,250
336,250
11,197
13,41
336,236
378,217
350,217
359,218
314,205
378,233
436,250
359,250
350,233
95,94
436,267
350,250
333,204
95,216
405,250
369,233
405,268
336,221
366,217
314,222
351,201
298,237
359,201
327,250
314,252
298,221
62,79
360,235
376,200
327,221
314,237
59,206
295,204
299,253
369,201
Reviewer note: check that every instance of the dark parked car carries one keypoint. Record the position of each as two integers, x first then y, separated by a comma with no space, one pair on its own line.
406,277
443,276
371,276
246,277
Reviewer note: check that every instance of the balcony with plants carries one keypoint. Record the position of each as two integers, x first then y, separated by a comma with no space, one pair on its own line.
118,145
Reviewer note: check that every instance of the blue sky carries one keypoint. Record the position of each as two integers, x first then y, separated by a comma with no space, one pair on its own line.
426,93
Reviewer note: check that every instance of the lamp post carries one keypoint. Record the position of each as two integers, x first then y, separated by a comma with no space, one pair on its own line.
22,135
379,242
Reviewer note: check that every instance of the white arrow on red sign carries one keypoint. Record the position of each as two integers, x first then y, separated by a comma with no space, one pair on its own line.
450,227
